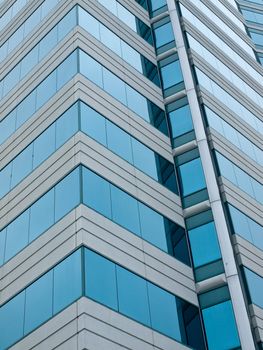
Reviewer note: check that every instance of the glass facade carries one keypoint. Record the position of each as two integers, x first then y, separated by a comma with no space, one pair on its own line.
138,125
84,186
105,282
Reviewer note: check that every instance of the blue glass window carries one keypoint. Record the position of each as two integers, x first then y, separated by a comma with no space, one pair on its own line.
152,227
96,193
119,141
46,89
145,159
93,124
42,215
12,320
100,283
67,125
38,306
67,195
133,296
204,244
164,314
67,281
90,68
163,35
5,180
44,146
2,245
26,109
106,283
17,235
66,70
171,74
125,210
181,121
192,176
218,335
22,165
8,126
255,287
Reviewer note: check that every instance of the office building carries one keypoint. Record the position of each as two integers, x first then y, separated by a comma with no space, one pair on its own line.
131,174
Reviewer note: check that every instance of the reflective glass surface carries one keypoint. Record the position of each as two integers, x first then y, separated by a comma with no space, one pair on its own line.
121,91
204,244
12,12
163,35
222,68
254,284
103,197
95,72
40,51
235,137
180,118
191,177
31,223
240,178
105,282
215,320
138,26
99,128
229,101
245,227
220,43
35,100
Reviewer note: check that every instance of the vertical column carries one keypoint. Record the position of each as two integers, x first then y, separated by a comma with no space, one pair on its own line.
231,273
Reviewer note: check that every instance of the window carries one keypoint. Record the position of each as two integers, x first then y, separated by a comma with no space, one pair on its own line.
164,313
38,305
204,244
12,320
180,119
125,210
42,215
172,78
255,286
163,34
101,282
107,283
17,235
67,281
192,176
132,296
96,193
67,195
218,335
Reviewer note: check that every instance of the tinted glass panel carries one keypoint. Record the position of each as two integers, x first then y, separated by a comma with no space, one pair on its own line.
17,235
101,283
44,146
133,296
164,312
38,307
152,227
42,215
255,287
204,244
93,124
67,278
67,195
192,177
12,320
119,141
125,210
216,318
96,193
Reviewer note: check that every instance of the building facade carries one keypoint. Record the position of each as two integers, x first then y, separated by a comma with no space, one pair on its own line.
131,188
